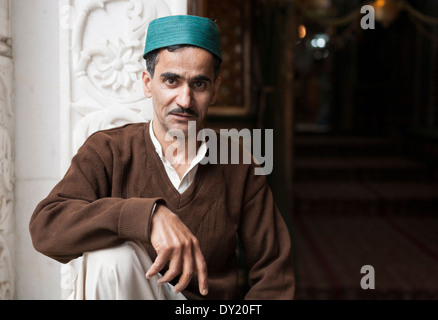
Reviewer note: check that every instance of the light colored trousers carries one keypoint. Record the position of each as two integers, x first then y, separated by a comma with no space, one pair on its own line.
119,273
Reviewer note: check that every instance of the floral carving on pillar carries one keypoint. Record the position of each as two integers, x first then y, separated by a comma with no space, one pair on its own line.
101,50
101,64
6,183
7,276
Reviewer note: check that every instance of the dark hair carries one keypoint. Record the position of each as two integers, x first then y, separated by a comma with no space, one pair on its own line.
152,58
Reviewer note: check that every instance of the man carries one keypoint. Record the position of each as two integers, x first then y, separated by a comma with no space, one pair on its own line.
154,224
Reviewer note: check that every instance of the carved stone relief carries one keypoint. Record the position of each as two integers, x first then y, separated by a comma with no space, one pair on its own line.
5,29
7,277
101,49
101,65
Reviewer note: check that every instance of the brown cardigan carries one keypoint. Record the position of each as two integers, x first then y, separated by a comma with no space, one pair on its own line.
108,193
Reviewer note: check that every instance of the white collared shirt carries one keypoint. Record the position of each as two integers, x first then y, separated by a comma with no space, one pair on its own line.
180,184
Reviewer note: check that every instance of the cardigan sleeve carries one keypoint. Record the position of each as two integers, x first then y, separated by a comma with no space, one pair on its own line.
84,211
266,243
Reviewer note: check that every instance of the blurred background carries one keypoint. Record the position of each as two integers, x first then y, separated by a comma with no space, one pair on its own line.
354,113
355,120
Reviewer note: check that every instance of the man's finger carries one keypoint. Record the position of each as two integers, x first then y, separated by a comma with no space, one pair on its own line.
187,271
157,266
201,268
173,271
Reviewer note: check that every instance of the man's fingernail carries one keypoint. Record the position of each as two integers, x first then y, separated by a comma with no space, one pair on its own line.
204,292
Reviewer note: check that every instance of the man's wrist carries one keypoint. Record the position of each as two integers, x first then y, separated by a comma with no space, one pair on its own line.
155,209
148,235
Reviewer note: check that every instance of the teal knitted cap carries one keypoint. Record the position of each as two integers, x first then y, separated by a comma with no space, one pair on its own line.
183,29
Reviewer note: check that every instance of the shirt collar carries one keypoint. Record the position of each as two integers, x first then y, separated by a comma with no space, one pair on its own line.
155,142
202,150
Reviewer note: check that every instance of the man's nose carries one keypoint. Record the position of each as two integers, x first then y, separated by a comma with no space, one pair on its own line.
184,98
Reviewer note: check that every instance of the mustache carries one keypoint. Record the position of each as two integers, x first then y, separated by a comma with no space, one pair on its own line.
184,111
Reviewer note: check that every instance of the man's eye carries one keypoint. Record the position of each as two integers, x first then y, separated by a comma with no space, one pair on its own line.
170,81
200,84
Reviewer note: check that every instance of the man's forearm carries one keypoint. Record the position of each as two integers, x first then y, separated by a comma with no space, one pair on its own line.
63,228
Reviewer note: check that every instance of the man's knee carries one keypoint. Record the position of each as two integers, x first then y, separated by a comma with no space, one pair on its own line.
120,273
122,261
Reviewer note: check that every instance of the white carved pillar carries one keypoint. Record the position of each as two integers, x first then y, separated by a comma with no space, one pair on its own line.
7,277
101,48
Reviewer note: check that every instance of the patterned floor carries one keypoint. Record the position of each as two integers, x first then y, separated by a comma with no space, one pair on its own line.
330,251
361,203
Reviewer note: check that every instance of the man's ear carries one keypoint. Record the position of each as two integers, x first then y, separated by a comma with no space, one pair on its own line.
217,84
147,82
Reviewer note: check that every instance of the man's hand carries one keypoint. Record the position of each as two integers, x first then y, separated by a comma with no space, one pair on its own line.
174,243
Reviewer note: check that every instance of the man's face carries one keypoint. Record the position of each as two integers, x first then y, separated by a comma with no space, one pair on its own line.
182,88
